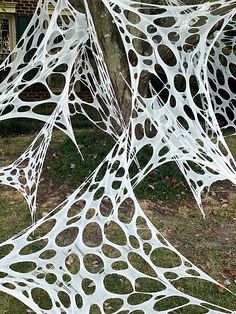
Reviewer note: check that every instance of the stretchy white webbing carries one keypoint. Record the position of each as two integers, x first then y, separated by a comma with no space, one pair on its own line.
99,235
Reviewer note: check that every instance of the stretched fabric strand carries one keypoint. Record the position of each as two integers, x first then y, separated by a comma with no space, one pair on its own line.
98,246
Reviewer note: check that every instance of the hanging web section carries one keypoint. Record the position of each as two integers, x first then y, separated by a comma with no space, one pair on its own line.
98,252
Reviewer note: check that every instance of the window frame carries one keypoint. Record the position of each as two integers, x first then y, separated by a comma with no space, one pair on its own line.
8,11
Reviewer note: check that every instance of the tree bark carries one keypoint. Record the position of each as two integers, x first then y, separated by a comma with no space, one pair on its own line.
114,55
114,52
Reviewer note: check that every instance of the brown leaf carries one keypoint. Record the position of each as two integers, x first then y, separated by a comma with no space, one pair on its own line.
230,272
221,288
206,266
70,260
225,205
181,289
212,230
227,282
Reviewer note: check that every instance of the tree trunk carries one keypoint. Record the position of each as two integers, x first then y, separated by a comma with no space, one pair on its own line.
114,55
114,52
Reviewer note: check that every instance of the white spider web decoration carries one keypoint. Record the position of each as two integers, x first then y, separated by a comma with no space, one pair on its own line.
100,234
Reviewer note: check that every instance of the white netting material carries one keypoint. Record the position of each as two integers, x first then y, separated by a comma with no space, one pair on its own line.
98,246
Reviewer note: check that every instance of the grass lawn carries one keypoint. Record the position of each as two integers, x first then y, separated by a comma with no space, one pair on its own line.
163,195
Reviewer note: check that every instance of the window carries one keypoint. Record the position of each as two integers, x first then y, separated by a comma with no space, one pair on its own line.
5,38
7,29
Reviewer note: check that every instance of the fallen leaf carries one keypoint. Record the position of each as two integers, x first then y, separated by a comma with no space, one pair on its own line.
227,282
95,263
212,230
225,205
213,212
69,260
221,288
91,285
206,266
181,289
230,272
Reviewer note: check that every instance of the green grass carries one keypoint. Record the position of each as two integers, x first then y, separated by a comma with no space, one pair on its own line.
164,184
68,166
118,284
13,209
10,305
210,244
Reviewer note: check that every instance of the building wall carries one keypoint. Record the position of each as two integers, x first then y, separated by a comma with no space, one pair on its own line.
25,7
